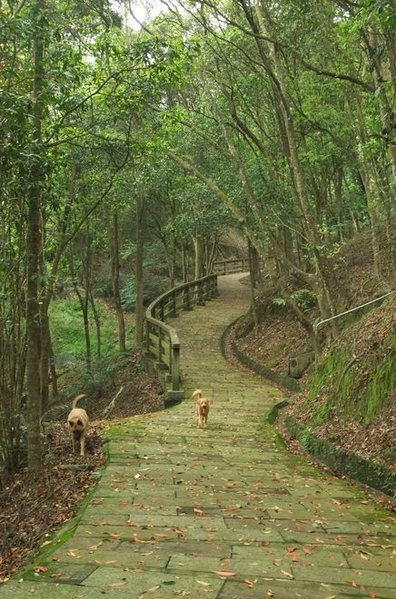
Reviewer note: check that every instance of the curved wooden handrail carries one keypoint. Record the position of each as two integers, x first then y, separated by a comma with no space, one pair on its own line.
162,345
226,267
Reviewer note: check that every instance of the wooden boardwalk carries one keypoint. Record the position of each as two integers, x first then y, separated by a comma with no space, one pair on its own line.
221,513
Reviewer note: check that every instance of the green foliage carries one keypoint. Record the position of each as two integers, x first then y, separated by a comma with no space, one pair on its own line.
279,301
382,384
154,285
68,334
155,279
356,388
304,298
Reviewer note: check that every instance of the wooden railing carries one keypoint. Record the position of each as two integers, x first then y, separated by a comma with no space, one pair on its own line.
227,267
162,345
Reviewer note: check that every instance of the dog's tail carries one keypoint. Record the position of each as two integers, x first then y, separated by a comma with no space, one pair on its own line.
197,393
77,399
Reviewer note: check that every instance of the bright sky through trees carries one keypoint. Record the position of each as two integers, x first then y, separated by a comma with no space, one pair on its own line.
138,12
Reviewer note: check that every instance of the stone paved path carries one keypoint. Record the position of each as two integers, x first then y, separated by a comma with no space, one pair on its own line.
218,513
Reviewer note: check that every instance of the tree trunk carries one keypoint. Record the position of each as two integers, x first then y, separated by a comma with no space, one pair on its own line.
115,280
34,248
252,279
54,376
198,257
139,305
184,263
97,324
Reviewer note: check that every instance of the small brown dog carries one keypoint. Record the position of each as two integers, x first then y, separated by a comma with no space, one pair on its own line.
202,405
78,424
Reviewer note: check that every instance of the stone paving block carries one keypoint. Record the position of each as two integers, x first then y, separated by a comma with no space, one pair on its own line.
289,555
262,589
84,544
63,573
327,538
373,578
250,532
104,519
155,584
123,557
47,590
188,563
139,534
374,528
373,558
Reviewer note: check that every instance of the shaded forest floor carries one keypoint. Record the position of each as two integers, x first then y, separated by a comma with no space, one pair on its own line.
31,509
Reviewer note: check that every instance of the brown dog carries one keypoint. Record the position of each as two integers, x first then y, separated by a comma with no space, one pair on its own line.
78,424
202,405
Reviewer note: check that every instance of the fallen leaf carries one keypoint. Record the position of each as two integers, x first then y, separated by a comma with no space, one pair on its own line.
224,573
205,584
289,574
249,583
40,569
363,555
270,593
118,584
198,512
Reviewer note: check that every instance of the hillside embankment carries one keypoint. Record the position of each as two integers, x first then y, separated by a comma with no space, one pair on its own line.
345,403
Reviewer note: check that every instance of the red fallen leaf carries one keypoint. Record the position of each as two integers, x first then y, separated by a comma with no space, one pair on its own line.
40,569
210,538
224,573
291,551
264,543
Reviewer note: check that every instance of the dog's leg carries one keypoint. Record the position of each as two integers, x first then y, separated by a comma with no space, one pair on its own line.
82,444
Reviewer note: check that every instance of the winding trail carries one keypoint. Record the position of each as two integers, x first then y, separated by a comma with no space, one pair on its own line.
218,513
